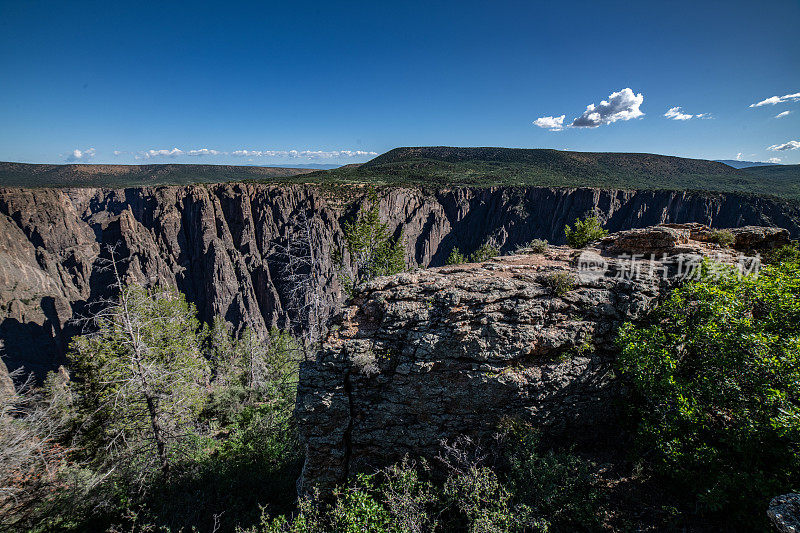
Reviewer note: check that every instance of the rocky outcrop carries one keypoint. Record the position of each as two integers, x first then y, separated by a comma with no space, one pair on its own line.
426,356
784,512
221,244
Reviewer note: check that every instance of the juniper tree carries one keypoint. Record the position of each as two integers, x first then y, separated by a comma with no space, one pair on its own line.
372,249
140,376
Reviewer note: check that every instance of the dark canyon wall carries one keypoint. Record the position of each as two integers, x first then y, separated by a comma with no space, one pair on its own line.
221,244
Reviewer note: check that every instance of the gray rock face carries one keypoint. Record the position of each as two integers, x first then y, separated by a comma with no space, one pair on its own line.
784,512
420,357
218,244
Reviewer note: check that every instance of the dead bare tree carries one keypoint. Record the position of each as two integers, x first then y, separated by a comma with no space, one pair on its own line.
300,272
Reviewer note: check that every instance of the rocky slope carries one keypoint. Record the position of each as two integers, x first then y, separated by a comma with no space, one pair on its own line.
221,244
424,357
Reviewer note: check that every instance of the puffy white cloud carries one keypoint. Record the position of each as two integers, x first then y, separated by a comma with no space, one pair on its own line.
774,160
675,113
772,100
81,155
782,114
739,156
621,105
790,145
148,154
550,123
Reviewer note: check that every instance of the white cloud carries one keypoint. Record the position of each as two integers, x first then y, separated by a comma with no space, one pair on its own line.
302,154
148,154
284,154
774,160
81,155
739,156
550,123
772,100
782,114
621,105
202,151
790,145
675,113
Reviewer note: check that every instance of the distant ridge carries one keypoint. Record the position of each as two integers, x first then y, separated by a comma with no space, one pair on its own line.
488,166
444,166
82,175
735,163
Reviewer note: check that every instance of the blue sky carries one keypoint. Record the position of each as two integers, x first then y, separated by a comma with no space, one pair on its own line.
323,82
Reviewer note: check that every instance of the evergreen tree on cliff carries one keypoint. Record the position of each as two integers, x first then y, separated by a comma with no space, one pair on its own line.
372,249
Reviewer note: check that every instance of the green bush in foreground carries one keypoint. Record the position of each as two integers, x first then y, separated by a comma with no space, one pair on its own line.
526,491
717,374
586,231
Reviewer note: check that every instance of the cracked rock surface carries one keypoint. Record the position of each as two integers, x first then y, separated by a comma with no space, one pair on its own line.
423,356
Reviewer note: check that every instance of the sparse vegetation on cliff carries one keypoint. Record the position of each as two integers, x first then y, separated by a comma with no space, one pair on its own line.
559,283
722,237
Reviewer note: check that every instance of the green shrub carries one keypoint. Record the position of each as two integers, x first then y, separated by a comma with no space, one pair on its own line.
482,501
456,257
536,246
559,283
557,487
587,230
484,253
723,237
395,499
785,254
717,380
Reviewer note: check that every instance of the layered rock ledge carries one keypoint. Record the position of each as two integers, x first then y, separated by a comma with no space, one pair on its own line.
419,357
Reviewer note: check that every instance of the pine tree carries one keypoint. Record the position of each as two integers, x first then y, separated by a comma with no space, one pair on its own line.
372,249
140,378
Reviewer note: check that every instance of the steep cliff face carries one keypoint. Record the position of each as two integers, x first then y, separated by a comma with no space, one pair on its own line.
221,244
424,357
